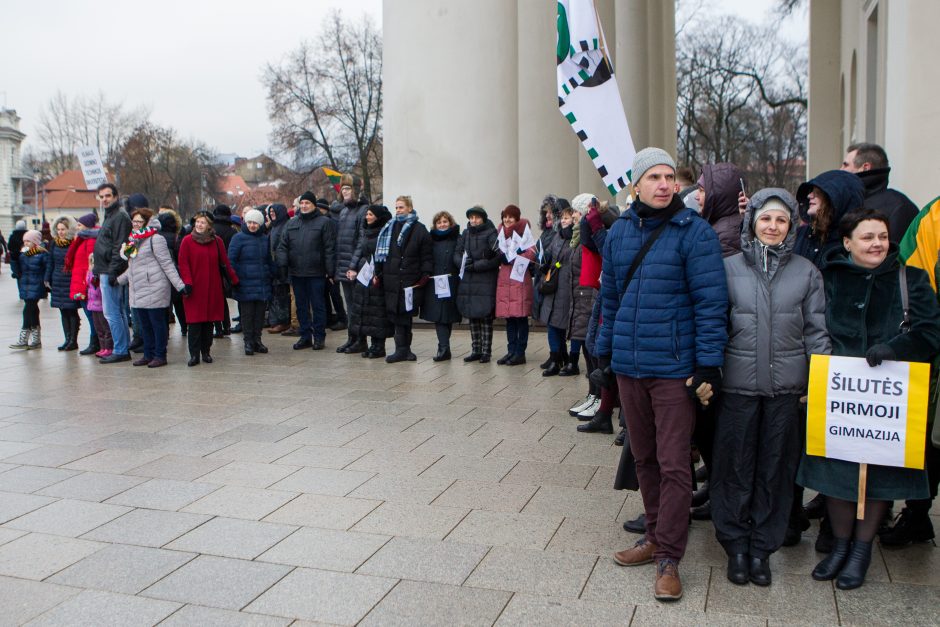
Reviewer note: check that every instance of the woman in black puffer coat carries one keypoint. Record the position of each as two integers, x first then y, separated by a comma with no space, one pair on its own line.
366,308
279,305
59,281
476,295
170,224
443,311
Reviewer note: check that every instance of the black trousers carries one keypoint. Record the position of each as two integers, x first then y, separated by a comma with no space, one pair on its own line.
177,307
704,434
443,330
30,313
252,312
200,338
751,481
403,335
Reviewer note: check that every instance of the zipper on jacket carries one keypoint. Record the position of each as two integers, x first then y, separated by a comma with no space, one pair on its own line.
636,306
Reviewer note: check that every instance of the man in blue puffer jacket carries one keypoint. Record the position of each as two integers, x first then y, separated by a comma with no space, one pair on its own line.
664,335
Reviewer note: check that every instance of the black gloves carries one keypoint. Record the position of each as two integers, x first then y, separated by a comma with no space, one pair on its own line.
603,376
705,374
112,280
187,290
879,353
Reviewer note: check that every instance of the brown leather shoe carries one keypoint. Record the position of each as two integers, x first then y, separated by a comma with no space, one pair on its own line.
279,328
668,587
639,553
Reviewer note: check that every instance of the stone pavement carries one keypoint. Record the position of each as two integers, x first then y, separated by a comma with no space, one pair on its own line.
323,488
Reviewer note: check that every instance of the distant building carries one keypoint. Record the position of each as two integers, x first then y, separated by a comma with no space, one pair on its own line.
11,170
261,169
66,194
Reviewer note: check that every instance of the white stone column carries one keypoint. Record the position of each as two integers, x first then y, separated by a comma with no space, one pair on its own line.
824,151
451,114
548,149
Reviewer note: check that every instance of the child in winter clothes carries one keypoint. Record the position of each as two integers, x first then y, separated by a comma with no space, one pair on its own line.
31,268
93,294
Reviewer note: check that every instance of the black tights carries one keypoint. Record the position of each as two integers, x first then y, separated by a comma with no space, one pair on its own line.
842,517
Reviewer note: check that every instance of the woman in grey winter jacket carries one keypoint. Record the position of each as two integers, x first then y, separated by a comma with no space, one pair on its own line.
150,273
777,320
555,311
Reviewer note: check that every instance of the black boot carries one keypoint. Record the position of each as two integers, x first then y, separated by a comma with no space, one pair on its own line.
570,370
67,331
443,354
548,362
402,348
600,423
260,348
825,539
193,360
375,351
700,496
93,347
472,357
637,525
829,567
249,348
359,345
737,571
350,340
504,360
555,367
853,572
759,571
912,525
75,323
816,508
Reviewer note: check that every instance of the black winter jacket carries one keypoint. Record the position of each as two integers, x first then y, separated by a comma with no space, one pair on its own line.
224,228
366,309
476,294
308,246
405,266
896,206
436,309
276,234
348,226
113,232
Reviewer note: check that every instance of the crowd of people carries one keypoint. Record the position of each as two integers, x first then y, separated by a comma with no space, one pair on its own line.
695,310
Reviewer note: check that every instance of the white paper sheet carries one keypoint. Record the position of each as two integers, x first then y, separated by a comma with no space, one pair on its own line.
365,275
442,285
518,272
409,298
463,265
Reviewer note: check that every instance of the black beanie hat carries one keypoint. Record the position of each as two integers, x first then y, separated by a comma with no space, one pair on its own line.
477,209
321,203
381,213
221,211
308,195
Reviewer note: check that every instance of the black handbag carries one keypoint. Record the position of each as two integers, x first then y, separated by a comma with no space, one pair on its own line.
549,284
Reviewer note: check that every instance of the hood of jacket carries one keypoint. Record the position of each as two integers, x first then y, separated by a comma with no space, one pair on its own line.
167,223
844,190
88,233
722,183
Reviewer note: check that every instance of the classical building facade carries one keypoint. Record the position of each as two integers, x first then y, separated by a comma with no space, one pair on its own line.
11,170
471,115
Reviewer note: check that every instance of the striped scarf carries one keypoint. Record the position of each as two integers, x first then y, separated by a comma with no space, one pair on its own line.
384,242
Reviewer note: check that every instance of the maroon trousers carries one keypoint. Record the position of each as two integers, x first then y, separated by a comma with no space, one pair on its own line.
660,418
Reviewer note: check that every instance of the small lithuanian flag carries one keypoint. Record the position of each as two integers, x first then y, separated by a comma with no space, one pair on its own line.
920,245
334,176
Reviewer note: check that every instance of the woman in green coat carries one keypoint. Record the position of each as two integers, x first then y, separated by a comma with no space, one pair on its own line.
864,315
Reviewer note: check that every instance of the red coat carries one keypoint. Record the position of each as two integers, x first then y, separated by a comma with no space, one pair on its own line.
76,262
199,267
514,299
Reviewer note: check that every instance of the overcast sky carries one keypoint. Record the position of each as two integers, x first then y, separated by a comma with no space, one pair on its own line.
194,63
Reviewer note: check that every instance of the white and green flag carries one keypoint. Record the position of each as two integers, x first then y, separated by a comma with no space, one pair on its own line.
588,95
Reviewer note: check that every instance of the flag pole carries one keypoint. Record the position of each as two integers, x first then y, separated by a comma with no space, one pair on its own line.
862,485
600,30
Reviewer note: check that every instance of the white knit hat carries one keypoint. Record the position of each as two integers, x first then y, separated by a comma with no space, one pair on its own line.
254,216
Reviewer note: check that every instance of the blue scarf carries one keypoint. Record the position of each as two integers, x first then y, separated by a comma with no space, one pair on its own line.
385,235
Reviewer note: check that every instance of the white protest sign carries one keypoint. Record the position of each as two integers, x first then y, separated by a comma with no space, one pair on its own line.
92,167
366,273
463,265
409,298
867,415
518,269
442,285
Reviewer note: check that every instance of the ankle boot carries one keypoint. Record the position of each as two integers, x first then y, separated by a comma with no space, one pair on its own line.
35,338
93,347
570,370
357,346
23,341
548,362
600,423
443,353
67,331
829,567
555,367
912,525
853,572
75,325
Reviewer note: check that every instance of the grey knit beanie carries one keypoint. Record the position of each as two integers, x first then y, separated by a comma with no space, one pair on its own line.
648,158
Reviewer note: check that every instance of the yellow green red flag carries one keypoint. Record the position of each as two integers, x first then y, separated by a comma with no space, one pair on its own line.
334,176
920,245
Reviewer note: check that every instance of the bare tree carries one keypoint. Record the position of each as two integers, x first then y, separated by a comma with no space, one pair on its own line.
742,98
325,100
65,124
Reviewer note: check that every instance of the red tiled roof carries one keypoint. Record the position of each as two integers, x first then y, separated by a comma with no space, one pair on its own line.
67,191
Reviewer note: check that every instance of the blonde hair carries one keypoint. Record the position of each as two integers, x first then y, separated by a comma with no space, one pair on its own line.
406,200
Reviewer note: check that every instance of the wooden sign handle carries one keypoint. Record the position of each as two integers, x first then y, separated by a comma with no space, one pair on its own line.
862,484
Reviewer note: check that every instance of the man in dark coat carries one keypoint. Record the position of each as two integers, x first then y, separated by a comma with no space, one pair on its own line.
108,266
307,252
870,163
225,228
348,227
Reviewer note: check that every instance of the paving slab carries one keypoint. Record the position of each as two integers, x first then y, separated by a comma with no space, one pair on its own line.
532,571
26,479
13,505
422,603
497,497
178,467
23,600
530,531
324,457
328,512
880,603
217,582
37,556
544,473
146,527
323,481
249,474
327,549
231,537
323,596
92,486
68,517
634,584
425,560
411,520
528,609
240,502
95,607
163,494
122,568
189,615
403,489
